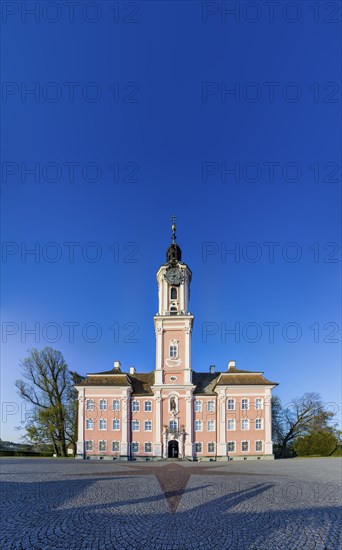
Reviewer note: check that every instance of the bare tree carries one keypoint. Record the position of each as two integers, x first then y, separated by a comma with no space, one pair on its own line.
304,415
47,384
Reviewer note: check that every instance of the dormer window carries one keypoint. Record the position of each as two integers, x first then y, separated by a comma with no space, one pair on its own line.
174,293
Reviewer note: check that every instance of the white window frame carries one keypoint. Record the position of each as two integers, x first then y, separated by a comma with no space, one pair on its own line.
138,445
244,424
147,443
115,450
200,450
198,426
103,421
259,401
234,424
211,443
115,407
243,408
90,420
198,406
135,406
92,445
149,422
234,446
117,421
234,404
262,446
258,421
209,404
173,351
242,442
105,444
148,408
102,404
211,423
135,423
90,404
175,422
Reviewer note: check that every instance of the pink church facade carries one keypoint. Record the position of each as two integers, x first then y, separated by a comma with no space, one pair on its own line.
174,411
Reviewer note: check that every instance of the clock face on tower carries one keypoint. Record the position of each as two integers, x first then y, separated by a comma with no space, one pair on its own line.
174,276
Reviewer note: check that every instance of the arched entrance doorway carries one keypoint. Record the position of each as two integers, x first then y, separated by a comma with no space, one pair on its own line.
172,450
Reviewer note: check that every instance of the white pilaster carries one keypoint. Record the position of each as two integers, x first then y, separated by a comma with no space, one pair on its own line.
189,426
268,422
166,297
157,446
80,448
159,353
187,350
222,441
125,428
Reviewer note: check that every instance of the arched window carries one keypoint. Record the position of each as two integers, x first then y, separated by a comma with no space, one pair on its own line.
173,293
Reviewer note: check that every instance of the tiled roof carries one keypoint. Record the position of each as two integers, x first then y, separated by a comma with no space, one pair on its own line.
205,382
141,383
253,379
120,379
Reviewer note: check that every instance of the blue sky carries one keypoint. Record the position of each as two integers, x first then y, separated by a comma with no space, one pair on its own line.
144,109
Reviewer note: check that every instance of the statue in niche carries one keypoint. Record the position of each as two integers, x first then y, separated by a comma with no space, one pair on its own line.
173,406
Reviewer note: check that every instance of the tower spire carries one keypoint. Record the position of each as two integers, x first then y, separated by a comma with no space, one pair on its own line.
174,253
173,227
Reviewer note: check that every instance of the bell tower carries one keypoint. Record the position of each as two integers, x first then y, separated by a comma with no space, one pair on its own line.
173,322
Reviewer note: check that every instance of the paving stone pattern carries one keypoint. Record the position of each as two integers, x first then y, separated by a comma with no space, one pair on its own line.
73,505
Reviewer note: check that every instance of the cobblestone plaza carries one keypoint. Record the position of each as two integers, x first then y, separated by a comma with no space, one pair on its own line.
67,504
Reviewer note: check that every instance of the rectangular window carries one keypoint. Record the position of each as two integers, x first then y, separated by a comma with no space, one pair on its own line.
116,424
198,406
244,404
231,424
148,406
245,424
135,447
258,445
231,446
198,447
258,403
244,446
116,446
211,447
173,424
211,425
89,424
89,445
103,404
116,404
90,405
173,351
148,425
148,447
135,425
102,445
135,406
198,425
231,404
103,424
258,424
211,406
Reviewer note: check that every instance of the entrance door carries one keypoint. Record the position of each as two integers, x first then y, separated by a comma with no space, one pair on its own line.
173,449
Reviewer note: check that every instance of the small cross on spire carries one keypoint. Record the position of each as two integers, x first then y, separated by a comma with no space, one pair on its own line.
173,227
